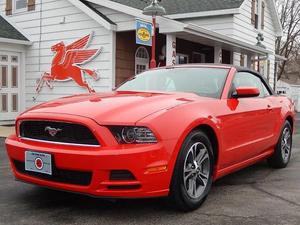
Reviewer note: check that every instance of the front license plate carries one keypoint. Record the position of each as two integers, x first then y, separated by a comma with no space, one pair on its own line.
38,162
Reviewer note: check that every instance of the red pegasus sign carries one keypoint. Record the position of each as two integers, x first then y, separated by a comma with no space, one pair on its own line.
66,64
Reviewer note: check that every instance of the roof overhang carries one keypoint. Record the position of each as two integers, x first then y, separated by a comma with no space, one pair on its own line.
131,11
15,41
204,14
276,19
198,34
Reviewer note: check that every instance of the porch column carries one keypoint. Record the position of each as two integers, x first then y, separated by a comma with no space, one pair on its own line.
236,58
217,54
171,50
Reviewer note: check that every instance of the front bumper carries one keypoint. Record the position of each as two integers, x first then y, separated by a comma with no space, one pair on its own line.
142,160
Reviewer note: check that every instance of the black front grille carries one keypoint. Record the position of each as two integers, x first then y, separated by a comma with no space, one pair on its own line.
58,132
58,175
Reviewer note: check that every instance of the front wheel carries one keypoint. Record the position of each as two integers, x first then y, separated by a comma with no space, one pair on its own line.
283,148
192,178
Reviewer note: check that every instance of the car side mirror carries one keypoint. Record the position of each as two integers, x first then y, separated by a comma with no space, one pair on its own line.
245,92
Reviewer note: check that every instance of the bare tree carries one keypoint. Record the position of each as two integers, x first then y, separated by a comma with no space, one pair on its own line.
289,11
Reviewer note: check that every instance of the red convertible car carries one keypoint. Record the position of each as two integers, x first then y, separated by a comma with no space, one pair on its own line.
166,132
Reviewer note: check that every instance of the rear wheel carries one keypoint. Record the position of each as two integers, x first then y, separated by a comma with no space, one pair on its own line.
192,178
283,149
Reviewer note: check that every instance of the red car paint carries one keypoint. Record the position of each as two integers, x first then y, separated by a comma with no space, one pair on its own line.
246,131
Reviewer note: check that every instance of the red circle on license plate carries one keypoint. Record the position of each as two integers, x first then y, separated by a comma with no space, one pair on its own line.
39,164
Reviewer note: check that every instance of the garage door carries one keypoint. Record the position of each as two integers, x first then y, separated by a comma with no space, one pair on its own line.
9,85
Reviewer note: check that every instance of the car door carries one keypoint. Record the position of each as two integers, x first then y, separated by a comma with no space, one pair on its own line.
247,126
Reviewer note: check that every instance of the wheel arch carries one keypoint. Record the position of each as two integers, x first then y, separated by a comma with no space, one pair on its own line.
290,119
211,134
212,130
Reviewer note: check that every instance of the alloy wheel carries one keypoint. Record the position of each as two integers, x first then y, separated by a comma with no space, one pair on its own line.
286,144
196,170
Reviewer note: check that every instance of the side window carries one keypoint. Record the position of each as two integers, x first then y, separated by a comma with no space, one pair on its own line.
266,91
245,79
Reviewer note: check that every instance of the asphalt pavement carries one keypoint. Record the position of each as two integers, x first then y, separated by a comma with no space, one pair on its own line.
256,195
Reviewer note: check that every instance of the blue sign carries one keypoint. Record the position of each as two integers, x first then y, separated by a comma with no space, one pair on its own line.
143,33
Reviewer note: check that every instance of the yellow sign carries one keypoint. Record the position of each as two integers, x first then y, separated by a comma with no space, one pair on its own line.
143,34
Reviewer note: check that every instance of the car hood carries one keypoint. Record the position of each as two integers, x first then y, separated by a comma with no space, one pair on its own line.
114,107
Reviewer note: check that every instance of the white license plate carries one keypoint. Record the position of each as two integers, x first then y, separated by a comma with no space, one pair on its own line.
38,162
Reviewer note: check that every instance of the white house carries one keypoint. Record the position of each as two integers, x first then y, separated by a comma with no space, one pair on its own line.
219,31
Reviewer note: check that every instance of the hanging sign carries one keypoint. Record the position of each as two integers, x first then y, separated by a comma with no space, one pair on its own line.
143,33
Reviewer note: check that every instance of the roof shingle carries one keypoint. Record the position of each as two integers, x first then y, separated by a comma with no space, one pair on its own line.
10,32
185,6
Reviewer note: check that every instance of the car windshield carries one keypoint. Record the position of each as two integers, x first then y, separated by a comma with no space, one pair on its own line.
207,82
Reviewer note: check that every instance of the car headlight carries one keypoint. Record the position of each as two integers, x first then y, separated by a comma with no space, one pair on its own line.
132,135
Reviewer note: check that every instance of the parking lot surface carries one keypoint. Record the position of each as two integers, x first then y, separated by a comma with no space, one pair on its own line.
255,195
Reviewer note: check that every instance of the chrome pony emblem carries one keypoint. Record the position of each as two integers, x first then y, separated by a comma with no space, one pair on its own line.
52,131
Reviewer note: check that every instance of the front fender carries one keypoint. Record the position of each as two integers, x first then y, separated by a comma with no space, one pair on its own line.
177,123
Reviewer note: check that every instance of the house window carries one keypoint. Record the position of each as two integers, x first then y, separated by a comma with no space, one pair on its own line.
255,12
20,5
141,60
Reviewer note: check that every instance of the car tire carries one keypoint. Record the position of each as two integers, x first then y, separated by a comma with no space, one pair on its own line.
192,176
283,148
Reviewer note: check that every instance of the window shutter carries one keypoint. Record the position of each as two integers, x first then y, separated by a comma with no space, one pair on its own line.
8,8
253,12
31,5
263,15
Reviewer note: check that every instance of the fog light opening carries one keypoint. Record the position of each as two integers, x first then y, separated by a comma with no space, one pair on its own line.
119,175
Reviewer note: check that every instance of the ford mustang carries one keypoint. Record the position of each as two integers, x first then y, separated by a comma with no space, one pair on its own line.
169,132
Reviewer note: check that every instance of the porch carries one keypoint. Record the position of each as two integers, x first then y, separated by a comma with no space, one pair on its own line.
187,44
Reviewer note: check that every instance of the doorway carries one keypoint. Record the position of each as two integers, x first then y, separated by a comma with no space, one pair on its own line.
9,85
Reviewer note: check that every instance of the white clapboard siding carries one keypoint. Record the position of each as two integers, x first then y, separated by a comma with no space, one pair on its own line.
123,21
39,56
220,24
245,31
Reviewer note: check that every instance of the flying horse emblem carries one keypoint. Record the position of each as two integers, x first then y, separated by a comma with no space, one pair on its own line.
66,64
